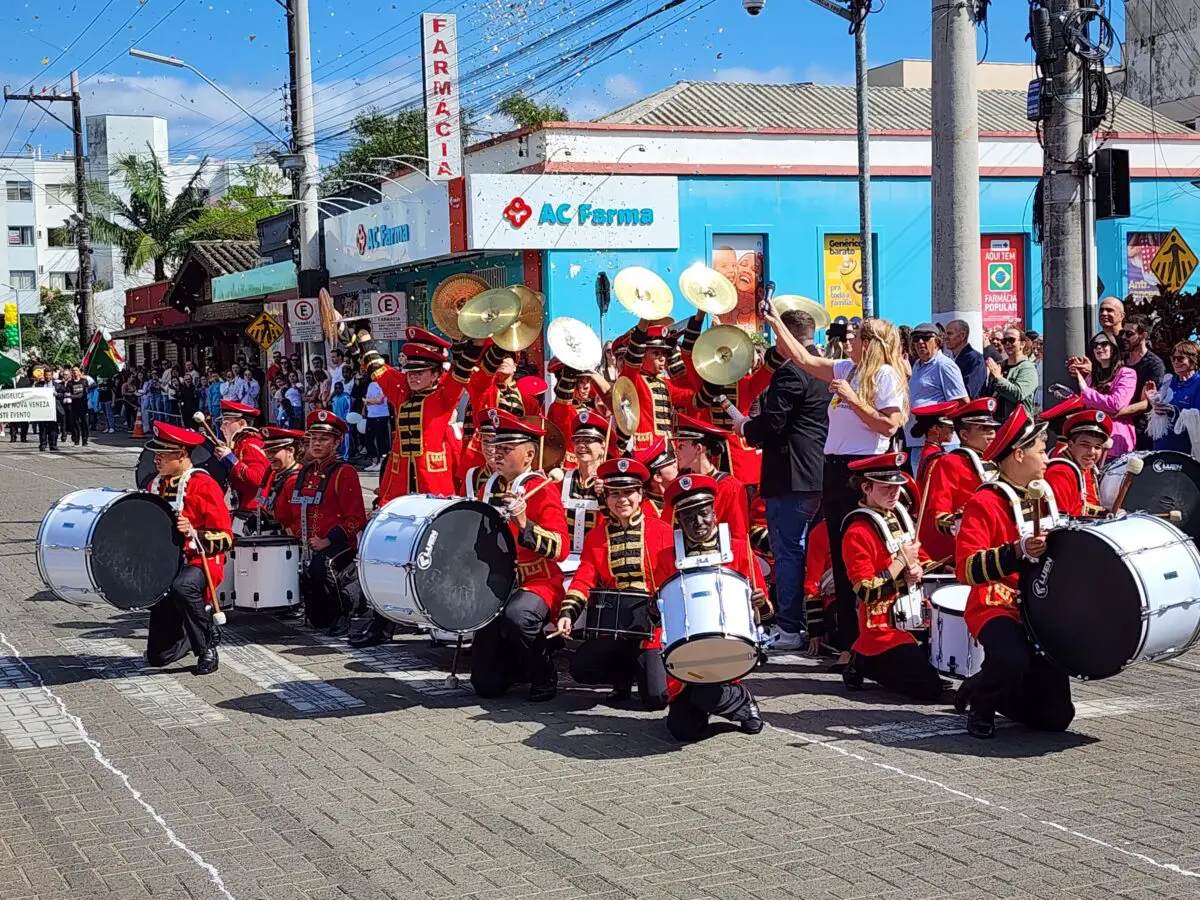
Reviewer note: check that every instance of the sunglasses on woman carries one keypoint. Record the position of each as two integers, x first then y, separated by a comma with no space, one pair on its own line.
1008,340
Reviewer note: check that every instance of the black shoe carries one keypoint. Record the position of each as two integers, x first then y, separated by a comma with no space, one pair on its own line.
209,661
962,697
753,723
851,677
371,636
981,724
619,695
340,626
546,689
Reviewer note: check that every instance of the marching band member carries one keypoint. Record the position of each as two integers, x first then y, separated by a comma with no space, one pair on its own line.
701,541
424,400
579,492
572,395
514,647
492,385
1056,417
1073,476
476,477
243,453
700,449
326,511
931,423
622,553
953,478
645,365
818,585
280,446
663,468
883,560
182,621
995,536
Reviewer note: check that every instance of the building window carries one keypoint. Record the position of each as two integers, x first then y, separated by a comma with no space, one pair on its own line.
64,281
20,190
59,237
20,235
22,281
60,194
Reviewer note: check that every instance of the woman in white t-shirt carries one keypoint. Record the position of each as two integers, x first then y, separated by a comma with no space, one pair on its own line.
869,405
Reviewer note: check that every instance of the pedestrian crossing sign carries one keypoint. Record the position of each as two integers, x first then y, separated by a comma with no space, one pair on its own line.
264,330
1174,262
1000,277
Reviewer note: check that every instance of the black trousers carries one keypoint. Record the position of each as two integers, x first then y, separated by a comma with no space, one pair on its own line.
905,669
512,647
77,421
688,714
48,436
621,662
179,621
323,598
1017,683
14,427
840,500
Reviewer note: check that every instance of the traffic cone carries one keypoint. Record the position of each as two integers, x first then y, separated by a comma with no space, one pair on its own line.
137,429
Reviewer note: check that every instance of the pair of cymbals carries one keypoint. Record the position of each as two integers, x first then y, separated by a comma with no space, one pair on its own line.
553,445
708,290
626,407
448,299
574,344
789,302
724,354
643,293
511,316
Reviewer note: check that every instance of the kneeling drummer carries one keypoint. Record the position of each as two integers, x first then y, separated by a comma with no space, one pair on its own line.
626,551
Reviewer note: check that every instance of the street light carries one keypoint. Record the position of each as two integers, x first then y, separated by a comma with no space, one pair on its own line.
179,63
402,187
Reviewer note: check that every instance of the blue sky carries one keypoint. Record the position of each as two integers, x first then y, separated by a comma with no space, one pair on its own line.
365,53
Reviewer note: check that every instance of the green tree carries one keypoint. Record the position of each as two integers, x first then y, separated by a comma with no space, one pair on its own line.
528,113
377,135
152,227
53,334
234,217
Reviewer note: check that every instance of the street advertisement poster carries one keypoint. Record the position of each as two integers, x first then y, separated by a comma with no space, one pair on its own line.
1140,249
1002,269
843,277
740,258
27,405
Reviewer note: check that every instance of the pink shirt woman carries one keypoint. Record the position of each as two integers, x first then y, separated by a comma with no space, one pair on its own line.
1108,385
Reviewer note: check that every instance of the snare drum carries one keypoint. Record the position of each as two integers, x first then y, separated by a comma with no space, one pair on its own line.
266,572
121,547
909,611
708,630
1107,594
952,650
438,562
615,614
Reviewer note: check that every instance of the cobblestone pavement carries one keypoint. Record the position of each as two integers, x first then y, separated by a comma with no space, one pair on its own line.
303,770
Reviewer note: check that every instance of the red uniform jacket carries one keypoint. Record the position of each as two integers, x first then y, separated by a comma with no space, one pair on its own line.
273,484
760,541
543,543
1076,490
951,481
867,561
929,453
248,468
988,554
204,506
639,556
339,515
744,461
657,397
423,455
652,507
732,505
486,390
817,561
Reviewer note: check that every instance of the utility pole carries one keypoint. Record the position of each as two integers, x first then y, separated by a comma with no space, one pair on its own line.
83,291
1063,295
311,277
955,173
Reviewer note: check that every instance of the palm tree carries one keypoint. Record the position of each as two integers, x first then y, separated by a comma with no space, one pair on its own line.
152,226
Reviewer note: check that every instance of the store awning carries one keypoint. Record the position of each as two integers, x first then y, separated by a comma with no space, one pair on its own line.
126,333
277,278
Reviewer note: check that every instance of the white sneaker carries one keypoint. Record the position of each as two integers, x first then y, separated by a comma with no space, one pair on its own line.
780,641
374,467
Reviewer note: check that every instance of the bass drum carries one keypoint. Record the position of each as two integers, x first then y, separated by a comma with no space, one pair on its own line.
1112,593
1169,481
120,547
443,562
202,458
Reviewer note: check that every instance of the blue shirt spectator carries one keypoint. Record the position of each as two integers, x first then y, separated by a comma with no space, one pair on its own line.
970,361
935,377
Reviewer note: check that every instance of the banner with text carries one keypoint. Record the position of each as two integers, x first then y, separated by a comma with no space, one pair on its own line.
1140,249
439,62
843,277
1002,268
27,405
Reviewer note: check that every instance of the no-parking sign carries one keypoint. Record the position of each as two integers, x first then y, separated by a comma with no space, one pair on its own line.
304,320
389,315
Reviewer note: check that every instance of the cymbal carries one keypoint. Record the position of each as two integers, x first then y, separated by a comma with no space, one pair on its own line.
787,302
626,408
553,445
574,343
708,289
485,314
528,325
724,354
449,297
643,293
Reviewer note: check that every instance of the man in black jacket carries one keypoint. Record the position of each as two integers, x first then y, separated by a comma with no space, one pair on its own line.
790,428
23,381
48,431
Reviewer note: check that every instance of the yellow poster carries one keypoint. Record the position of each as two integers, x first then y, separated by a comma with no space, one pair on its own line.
843,277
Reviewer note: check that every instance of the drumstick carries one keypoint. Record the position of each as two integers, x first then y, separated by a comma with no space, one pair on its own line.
1172,516
554,476
202,420
218,616
1133,469
1036,491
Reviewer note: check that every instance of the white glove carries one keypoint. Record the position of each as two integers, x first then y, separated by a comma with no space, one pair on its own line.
735,415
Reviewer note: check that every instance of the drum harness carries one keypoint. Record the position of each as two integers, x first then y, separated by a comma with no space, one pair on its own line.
580,506
723,554
516,488
908,533
180,490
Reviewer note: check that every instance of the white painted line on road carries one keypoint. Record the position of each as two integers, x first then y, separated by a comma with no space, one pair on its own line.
156,695
28,720
297,687
39,475
98,754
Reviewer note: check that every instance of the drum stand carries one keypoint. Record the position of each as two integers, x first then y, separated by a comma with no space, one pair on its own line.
452,678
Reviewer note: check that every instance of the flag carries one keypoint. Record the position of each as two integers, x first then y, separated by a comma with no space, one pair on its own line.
102,359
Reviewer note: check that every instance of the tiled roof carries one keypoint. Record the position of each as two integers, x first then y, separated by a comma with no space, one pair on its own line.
224,257
831,107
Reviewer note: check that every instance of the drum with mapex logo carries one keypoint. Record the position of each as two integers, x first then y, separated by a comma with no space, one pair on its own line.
437,563
1169,482
1110,593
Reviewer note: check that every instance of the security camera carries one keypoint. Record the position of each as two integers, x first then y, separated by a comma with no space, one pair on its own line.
754,7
